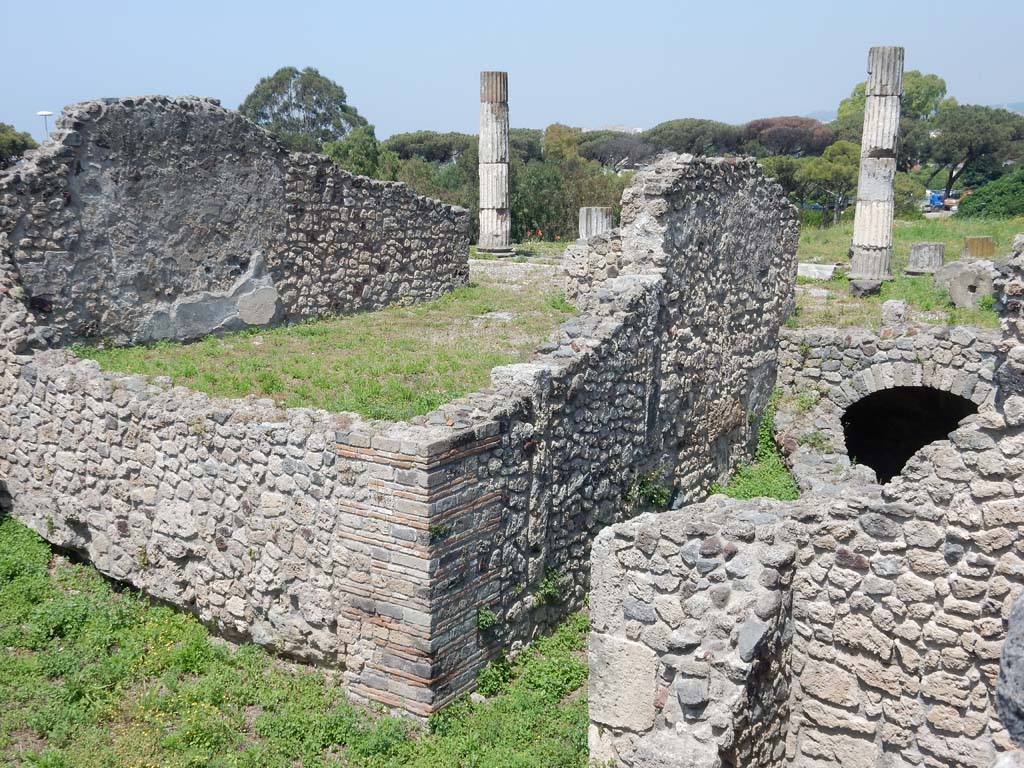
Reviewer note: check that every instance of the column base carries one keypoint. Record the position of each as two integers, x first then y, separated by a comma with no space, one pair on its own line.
501,253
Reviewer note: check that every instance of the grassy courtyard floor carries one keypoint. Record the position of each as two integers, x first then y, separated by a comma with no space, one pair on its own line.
391,364
91,677
829,245
830,303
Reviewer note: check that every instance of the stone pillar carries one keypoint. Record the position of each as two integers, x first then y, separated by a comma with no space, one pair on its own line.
495,218
594,221
872,223
983,247
925,258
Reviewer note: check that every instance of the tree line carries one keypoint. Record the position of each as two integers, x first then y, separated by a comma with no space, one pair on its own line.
556,171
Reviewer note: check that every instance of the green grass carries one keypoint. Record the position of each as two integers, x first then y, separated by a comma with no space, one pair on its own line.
392,364
830,245
91,677
767,475
927,303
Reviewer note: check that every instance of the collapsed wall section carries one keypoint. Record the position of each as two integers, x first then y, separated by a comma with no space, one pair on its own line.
158,218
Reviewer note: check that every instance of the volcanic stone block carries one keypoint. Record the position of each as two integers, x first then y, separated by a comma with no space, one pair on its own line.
967,281
622,683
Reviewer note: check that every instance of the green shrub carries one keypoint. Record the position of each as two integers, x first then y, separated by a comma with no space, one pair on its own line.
647,490
549,591
767,475
1002,197
486,619
92,678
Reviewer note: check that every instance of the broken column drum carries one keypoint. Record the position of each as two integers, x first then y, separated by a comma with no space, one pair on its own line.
925,258
872,224
980,247
594,221
495,218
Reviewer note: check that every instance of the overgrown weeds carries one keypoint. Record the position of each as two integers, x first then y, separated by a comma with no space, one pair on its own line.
767,475
392,364
95,678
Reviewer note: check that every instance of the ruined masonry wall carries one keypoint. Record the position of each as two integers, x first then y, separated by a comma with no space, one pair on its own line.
153,218
375,544
899,600
831,368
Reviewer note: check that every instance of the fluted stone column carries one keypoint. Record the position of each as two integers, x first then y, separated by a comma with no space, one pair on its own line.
982,247
495,218
925,258
872,223
594,221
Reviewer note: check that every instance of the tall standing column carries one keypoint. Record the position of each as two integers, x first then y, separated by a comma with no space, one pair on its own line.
495,219
872,223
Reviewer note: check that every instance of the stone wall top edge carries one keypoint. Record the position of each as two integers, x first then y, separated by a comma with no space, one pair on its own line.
910,331
477,412
52,364
668,163
316,159
89,110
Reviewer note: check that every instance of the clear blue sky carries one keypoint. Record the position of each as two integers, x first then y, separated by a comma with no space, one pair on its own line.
414,65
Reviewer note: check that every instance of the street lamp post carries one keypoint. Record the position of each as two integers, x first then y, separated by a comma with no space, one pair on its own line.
46,125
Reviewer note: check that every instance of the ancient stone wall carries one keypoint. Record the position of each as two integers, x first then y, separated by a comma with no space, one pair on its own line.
155,218
689,650
899,599
829,369
376,545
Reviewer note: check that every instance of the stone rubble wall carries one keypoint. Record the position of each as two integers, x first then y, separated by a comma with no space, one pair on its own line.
647,381
237,510
900,602
158,218
689,647
900,597
374,545
834,367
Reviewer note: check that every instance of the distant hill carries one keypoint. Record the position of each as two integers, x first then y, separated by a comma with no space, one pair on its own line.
1013,106
825,115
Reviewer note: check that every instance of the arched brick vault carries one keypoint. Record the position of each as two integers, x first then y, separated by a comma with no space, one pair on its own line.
842,366
889,375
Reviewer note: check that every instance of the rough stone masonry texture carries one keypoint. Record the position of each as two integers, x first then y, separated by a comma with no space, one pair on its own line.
373,545
860,626
158,218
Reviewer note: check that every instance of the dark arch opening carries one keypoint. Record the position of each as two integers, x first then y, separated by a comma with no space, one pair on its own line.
886,428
